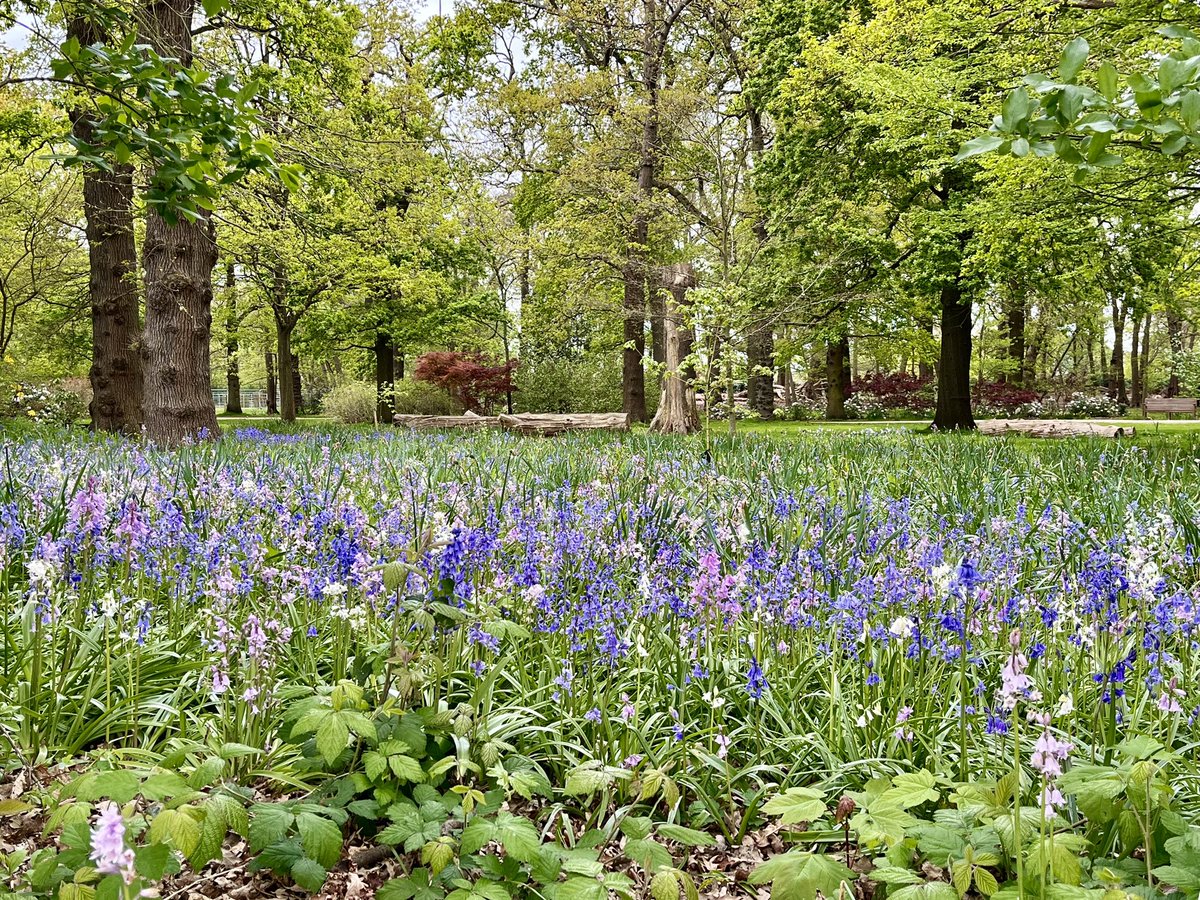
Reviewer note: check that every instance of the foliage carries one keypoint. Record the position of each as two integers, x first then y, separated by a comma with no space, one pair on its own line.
421,398
49,404
474,384
589,385
350,403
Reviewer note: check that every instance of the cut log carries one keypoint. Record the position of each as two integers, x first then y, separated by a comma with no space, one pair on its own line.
425,423
547,424
1053,428
525,423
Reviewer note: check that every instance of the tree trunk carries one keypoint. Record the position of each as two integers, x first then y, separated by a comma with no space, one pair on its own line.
116,370
179,260
1144,386
1175,338
676,413
272,385
837,359
385,377
1135,363
297,386
1014,335
954,365
287,372
233,381
1116,368
925,371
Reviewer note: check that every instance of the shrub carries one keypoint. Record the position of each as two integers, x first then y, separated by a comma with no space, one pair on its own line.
420,398
350,403
865,405
897,390
999,400
47,404
473,383
590,385
1087,406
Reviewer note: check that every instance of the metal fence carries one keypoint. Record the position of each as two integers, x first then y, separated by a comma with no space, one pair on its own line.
252,398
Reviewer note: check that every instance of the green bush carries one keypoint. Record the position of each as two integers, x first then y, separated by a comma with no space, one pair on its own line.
590,385
350,403
420,398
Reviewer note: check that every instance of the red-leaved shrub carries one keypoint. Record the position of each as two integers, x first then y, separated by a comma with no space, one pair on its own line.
476,384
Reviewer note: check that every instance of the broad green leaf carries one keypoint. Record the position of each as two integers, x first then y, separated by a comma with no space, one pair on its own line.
1074,55
321,838
798,804
689,837
308,873
799,876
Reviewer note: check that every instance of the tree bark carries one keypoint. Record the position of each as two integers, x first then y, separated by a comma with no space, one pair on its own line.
837,359
272,385
1014,336
385,377
676,413
233,381
287,372
1116,368
297,386
953,410
179,260
1175,338
116,370
1135,363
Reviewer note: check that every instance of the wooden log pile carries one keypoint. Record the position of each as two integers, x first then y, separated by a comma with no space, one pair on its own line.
1048,428
542,424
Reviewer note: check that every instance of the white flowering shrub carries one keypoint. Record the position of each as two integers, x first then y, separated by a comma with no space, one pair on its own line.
1085,406
44,404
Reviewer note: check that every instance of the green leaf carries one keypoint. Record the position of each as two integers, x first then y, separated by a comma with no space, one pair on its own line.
933,890
269,822
976,146
894,875
798,804
1108,81
118,785
438,854
911,789
587,779
1015,111
798,876
940,844
308,873
321,838
581,889
406,768
664,886
1185,879
689,837
1074,55
637,827
648,854
178,828
151,862
332,735
519,837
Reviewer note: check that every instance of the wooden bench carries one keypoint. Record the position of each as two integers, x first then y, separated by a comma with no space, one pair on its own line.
1169,405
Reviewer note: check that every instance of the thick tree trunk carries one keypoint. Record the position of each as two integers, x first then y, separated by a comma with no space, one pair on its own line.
837,359
1144,387
1116,368
1014,336
925,371
676,413
233,381
1175,338
297,385
116,370
179,260
1135,363
954,366
287,372
272,385
385,377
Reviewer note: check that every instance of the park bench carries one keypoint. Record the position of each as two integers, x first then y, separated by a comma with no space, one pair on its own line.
1169,405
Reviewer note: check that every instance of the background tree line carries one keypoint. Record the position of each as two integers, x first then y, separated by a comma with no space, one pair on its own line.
290,194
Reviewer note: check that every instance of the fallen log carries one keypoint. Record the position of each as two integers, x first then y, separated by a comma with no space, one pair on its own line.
546,424
425,423
1053,428
525,423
